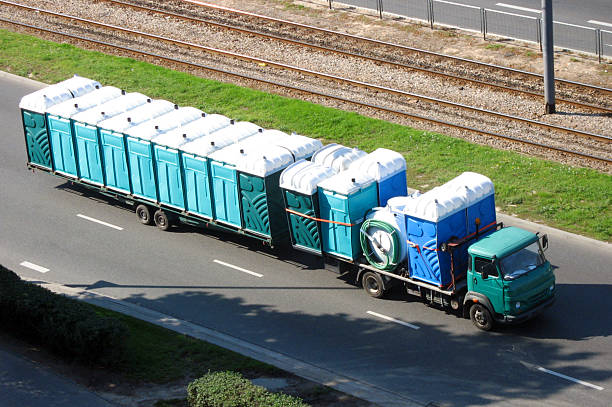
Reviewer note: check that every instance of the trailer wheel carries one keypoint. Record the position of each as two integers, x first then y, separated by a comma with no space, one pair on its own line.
144,214
481,317
372,284
161,220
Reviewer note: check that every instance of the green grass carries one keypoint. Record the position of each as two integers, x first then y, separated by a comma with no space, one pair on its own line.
495,46
570,198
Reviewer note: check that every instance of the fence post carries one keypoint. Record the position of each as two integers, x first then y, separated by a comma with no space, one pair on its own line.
379,6
539,22
430,11
483,23
598,44
330,4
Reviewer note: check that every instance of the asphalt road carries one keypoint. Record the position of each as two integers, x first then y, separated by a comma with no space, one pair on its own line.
300,310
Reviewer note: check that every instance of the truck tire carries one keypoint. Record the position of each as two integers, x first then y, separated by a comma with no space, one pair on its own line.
372,284
481,317
161,220
144,214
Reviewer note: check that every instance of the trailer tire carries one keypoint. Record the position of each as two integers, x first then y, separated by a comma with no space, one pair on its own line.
373,284
481,317
161,220
144,214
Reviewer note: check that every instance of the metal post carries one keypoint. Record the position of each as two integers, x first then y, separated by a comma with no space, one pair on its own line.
431,13
548,56
539,23
330,4
379,6
598,44
483,23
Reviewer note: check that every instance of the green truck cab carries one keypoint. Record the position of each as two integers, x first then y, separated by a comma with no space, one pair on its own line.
509,279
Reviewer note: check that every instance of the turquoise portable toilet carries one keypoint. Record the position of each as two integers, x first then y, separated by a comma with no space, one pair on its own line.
337,156
33,108
298,183
224,175
85,126
197,170
388,168
113,140
168,156
140,150
344,201
61,129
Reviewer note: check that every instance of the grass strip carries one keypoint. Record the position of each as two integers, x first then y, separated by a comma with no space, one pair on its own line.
571,198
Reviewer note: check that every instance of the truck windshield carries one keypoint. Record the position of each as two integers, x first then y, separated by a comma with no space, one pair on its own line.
522,261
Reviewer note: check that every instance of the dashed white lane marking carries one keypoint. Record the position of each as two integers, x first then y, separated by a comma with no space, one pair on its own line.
600,23
531,10
34,267
100,222
541,369
397,321
238,268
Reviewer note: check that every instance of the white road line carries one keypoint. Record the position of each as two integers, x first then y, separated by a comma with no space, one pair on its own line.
541,369
100,222
600,23
531,10
238,268
397,321
34,267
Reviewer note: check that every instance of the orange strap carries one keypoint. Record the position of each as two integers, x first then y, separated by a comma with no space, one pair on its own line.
317,219
451,244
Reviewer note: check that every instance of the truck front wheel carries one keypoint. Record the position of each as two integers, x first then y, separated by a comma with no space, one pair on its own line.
372,284
481,317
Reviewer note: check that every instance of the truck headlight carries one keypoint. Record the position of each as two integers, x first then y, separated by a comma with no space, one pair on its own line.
517,305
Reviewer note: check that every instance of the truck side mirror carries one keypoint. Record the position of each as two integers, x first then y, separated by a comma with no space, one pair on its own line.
544,242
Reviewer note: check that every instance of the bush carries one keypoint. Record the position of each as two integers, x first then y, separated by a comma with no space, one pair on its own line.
230,389
63,325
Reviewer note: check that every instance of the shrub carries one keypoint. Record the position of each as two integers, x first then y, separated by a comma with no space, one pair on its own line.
230,389
63,325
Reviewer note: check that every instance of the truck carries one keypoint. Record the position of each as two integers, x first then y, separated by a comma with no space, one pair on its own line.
351,209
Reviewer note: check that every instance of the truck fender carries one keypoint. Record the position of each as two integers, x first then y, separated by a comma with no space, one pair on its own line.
473,297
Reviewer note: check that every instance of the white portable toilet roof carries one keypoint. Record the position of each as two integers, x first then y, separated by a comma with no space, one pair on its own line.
347,182
380,163
300,146
193,130
221,138
134,117
303,176
471,186
44,98
71,107
165,122
111,108
337,156
254,158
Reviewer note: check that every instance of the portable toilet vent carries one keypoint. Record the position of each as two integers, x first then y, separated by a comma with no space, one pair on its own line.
388,168
299,186
337,156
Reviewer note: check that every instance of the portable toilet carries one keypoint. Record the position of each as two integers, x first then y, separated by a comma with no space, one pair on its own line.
344,200
298,183
449,212
140,149
61,130
90,165
168,156
33,108
224,176
113,140
388,168
301,147
197,170
337,156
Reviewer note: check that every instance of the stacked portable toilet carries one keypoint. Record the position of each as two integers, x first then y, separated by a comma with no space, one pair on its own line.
388,168
337,157
35,105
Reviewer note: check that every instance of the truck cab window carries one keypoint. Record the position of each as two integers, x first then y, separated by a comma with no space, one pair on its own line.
480,264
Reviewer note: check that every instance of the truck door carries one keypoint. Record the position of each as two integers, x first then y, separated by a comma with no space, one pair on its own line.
487,281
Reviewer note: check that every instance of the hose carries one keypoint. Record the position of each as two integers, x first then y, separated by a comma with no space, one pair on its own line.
390,258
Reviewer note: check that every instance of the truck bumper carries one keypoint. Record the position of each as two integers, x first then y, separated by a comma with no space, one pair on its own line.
515,319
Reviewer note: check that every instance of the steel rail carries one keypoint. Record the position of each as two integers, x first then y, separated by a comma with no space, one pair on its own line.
322,75
352,54
316,93
390,44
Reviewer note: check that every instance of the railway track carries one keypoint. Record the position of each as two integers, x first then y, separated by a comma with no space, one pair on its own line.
602,159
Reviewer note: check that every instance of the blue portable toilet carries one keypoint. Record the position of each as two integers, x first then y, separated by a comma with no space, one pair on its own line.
337,156
299,183
61,129
344,201
113,140
224,175
388,168
196,164
449,212
168,157
140,151
85,126
33,108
